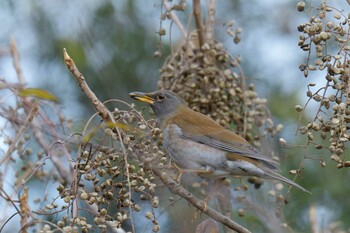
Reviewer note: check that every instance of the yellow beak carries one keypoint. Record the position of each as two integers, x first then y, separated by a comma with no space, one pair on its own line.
143,97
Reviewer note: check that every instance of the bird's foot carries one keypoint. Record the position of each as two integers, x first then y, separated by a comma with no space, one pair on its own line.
178,176
205,204
181,171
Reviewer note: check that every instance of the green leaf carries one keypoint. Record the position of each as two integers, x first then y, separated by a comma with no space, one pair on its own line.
39,93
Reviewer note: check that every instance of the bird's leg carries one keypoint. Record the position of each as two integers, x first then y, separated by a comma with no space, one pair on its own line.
178,176
182,171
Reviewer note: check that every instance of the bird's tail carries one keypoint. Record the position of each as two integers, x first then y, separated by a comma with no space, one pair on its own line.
274,175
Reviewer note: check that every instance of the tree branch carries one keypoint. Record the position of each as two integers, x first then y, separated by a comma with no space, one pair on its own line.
199,22
85,88
178,23
25,211
209,29
16,64
175,19
27,122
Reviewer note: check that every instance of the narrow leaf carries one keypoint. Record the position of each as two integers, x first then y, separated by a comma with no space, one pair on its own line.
39,93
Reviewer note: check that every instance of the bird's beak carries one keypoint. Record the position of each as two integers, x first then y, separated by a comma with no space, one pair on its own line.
143,97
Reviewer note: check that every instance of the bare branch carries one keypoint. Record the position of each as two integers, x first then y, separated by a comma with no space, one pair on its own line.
313,219
23,203
178,23
209,29
100,108
16,63
28,120
199,22
176,20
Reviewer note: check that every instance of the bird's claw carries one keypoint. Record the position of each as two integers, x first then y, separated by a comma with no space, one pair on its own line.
206,203
178,176
181,171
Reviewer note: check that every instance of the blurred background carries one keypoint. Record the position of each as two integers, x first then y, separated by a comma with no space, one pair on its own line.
113,42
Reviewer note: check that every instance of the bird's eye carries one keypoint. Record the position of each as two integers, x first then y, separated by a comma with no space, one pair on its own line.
160,97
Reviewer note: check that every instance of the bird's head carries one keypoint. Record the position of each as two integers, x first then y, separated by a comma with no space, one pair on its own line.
163,103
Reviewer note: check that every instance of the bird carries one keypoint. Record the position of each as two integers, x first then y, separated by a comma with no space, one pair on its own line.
197,143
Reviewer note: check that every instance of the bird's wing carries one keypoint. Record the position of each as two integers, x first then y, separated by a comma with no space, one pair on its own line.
200,128
234,148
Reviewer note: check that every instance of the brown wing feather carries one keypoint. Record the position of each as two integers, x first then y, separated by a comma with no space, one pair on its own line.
200,128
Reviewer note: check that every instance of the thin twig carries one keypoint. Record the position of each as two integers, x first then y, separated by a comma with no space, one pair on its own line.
25,211
175,19
199,22
178,23
209,29
16,63
172,185
8,220
28,106
313,219
28,120
41,221
85,88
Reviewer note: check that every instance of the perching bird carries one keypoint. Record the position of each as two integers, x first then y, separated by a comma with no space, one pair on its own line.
196,142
